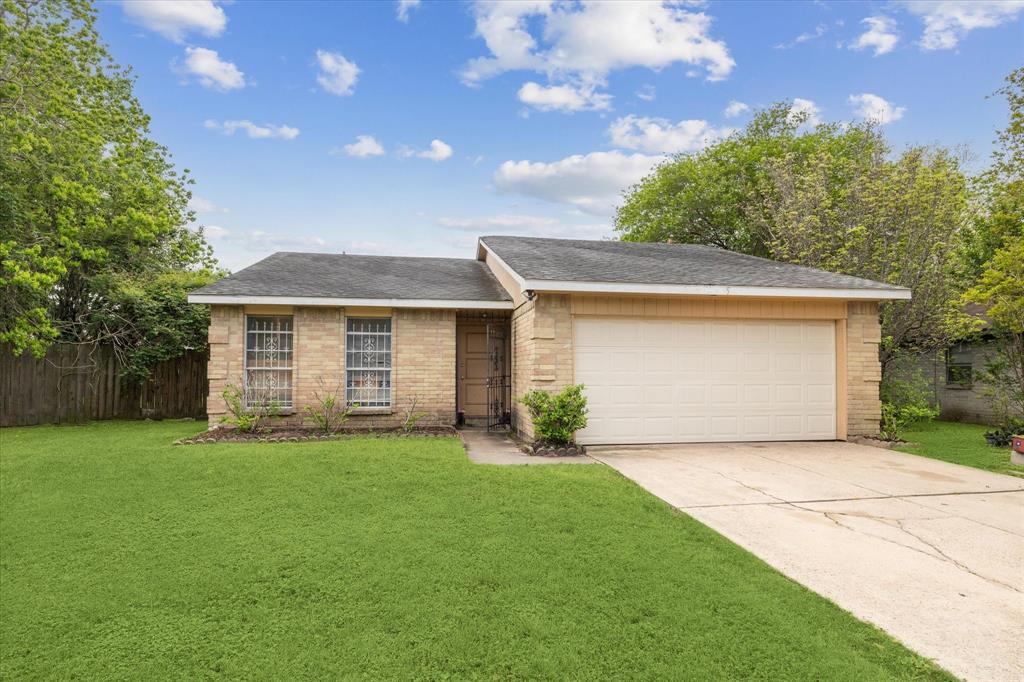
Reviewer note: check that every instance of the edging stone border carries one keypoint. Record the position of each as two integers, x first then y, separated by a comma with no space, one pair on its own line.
206,438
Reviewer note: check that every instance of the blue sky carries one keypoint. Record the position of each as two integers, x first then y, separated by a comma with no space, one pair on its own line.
411,128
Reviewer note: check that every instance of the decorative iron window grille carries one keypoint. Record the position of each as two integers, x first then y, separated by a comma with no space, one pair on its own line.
268,360
368,362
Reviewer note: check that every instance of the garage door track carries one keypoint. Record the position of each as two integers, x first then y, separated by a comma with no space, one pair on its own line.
931,552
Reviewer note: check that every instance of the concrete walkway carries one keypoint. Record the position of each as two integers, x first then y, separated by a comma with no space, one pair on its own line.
931,552
495,447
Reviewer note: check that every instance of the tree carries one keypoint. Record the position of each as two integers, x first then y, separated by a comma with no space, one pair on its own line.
710,197
828,197
92,211
996,254
891,221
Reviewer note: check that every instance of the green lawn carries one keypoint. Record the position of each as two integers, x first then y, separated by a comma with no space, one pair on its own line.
122,556
958,443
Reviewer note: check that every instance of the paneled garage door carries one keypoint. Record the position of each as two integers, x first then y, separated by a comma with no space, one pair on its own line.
679,381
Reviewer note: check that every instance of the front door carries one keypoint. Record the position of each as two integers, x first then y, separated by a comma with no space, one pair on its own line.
472,358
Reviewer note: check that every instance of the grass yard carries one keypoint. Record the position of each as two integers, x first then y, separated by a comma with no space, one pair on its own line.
958,443
122,556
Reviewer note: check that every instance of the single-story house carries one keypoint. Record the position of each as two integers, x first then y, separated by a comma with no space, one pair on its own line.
674,342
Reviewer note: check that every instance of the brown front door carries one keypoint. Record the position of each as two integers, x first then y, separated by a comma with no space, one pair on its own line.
472,367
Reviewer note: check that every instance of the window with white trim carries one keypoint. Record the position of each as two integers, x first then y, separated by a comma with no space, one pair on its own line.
368,361
268,360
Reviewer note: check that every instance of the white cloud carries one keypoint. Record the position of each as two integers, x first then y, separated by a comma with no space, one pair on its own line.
365,145
734,109
212,71
252,130
337,75
659,135
174,19
592,182
403,8
565,98
881,35
947,23
646,92
874,108
581,43
818,32
805,107
532,225
439,151
203,205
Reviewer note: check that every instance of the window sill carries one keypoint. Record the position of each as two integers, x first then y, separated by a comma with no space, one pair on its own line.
372,410
958,387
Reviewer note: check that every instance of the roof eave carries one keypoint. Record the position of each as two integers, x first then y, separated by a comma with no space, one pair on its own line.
555,286
239,299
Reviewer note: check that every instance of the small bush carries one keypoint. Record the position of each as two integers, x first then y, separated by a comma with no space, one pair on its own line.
557,418
896,418
410,416
248,409
329,411
1003,436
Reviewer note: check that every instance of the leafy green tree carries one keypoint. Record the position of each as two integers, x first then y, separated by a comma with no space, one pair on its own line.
92,211
711,197
893,221
996,255
829,197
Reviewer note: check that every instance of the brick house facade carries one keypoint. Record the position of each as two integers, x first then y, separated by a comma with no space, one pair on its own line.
450,330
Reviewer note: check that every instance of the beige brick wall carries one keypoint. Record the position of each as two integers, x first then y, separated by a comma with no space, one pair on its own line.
423,360
542,353
423,355
863,369
227,349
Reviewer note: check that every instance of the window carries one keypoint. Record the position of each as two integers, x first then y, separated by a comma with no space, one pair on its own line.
368,362
959,375
268,360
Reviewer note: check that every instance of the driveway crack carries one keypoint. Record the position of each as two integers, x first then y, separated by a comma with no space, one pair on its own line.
899,523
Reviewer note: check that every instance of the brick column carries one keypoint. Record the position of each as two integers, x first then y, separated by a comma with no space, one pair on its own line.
227,351
863,369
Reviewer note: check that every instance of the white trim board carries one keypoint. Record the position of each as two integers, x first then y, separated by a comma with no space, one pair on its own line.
711,290
224,299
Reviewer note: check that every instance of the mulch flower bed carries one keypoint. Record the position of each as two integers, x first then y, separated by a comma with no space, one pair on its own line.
542,449
300,435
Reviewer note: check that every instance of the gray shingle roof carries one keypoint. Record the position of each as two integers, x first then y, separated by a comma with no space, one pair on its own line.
330,275
575,260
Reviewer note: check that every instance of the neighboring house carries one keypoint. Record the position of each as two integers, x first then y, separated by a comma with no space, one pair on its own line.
952,380
674,343
952,375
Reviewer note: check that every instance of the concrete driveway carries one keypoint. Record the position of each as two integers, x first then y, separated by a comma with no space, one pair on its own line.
931,552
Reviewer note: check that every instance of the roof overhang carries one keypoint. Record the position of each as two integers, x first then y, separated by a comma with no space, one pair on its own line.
225,299
709,290
631,288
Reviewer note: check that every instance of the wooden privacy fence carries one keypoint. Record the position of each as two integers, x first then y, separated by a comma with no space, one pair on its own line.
74,383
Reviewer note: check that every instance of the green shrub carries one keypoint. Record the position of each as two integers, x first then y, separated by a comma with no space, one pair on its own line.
248,411
896,418
557,418
329,411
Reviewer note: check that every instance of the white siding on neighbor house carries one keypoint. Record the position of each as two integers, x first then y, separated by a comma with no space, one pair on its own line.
705,380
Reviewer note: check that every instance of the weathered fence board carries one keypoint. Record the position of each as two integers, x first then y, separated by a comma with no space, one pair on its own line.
75,383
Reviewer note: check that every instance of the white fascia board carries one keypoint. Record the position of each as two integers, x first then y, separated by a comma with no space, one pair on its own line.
218,299
515,275
707,290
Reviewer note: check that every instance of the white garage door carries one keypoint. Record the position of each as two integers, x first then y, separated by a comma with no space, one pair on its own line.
679,381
